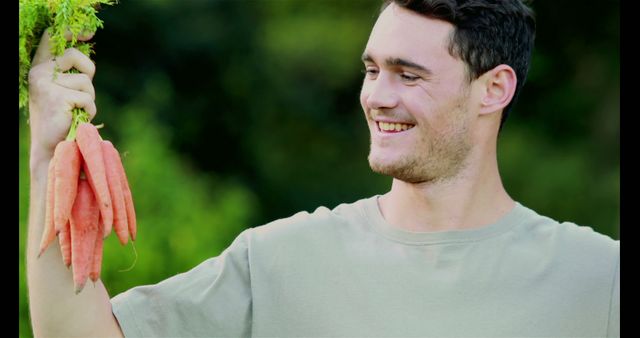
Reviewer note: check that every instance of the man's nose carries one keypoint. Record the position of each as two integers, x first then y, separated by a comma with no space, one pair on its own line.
381,94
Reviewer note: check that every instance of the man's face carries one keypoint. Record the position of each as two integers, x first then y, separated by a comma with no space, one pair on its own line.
415,98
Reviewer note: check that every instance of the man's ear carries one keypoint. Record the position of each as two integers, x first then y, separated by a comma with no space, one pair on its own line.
499,88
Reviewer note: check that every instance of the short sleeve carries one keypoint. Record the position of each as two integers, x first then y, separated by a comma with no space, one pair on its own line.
613,328
213,300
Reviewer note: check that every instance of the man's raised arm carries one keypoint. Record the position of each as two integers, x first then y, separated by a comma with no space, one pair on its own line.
56,311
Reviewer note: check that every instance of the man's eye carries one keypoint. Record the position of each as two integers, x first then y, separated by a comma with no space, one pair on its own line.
409,77
370,71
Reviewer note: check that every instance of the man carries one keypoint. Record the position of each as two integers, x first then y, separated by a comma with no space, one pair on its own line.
446,252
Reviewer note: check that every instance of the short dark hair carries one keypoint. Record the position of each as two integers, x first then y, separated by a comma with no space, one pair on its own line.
487,33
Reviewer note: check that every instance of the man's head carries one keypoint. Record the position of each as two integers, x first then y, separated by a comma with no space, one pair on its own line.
486,33
438,75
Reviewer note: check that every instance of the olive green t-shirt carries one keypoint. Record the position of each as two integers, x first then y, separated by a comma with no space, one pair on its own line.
347,272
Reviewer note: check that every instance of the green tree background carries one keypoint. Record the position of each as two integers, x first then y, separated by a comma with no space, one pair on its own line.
233,113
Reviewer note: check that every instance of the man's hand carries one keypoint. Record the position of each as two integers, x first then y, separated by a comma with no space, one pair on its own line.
54,93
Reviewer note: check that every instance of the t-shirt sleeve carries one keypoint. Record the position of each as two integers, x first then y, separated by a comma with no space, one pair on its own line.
213,299
613,329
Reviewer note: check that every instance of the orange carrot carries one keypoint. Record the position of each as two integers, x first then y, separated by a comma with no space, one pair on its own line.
128,198
89,140
64,238
117,197
96,263
131,211
49,233
84,219
67,168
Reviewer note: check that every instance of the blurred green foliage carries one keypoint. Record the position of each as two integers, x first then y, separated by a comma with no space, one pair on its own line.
233,113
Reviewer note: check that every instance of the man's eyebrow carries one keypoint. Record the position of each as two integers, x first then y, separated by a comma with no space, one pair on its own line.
398,62
366,57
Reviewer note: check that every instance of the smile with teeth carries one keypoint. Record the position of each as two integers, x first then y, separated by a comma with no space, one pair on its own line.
393,127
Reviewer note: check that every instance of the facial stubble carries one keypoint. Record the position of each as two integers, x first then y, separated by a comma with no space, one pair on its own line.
436,156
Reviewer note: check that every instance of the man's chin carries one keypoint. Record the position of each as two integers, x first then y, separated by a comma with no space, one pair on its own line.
402,172
380,167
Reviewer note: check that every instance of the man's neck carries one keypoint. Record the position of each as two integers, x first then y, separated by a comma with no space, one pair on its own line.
464,202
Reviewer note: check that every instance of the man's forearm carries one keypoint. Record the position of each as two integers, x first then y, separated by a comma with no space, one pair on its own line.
55,308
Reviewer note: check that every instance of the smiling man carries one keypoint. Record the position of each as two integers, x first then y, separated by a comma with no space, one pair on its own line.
446,252
434,118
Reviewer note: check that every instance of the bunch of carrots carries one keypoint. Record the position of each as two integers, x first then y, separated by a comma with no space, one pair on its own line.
88,195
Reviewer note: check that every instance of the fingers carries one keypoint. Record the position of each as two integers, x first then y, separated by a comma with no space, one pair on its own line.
52,89
76,99
84,36
73,58
79,82
43,53
54,93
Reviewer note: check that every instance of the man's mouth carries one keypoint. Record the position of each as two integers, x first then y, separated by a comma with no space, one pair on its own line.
393,127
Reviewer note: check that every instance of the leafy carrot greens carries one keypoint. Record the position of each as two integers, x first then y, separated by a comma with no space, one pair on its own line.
60,16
